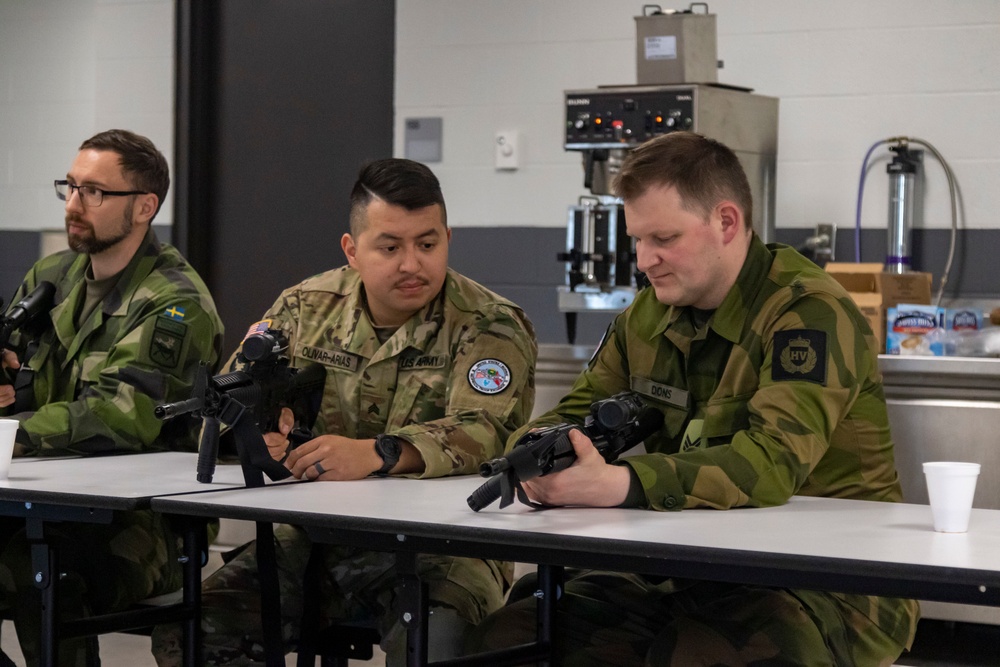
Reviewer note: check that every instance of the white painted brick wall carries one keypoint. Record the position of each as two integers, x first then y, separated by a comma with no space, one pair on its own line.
70,69
848,73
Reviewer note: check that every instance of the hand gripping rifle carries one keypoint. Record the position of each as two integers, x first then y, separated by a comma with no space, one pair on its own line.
614,425
249,402
24,312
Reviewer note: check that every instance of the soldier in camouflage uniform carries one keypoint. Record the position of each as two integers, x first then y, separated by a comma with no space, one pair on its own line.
767,377
131,322
428,373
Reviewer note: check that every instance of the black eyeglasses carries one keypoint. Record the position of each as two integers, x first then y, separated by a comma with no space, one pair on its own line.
90,195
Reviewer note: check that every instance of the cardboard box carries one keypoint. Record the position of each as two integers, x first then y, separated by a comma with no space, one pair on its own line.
875,291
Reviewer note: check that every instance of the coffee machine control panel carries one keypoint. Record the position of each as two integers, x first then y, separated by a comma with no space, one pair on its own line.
610,118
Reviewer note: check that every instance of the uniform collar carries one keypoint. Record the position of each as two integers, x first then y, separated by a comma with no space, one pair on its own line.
731,315
63,314
418,332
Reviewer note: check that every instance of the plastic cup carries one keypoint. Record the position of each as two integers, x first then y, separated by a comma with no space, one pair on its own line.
8,429
950,487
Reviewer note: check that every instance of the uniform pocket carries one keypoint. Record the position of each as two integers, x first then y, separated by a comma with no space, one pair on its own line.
726,416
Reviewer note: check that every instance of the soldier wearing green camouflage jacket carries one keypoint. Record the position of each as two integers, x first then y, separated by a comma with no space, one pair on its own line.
130,323
94,384
428,373
767,377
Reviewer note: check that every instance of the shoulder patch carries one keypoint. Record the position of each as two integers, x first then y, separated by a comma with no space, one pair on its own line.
256,328
489,376
174,313
167,341
799,354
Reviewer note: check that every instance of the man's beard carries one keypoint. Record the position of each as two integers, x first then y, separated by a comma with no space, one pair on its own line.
88,243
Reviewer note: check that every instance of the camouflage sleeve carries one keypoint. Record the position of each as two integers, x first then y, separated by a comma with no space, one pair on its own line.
476,422
154,361
791,416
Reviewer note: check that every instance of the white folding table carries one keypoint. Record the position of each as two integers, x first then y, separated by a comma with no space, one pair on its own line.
91,490
819,543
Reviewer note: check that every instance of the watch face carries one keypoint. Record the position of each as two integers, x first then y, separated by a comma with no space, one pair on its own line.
388,445
389,448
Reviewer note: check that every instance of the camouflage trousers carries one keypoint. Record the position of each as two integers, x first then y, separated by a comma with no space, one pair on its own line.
103,568
608,618
356,587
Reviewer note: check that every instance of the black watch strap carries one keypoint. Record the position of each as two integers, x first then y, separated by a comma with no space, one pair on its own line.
389,448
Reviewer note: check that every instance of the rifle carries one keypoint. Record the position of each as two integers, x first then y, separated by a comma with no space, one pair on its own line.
24,312
614,425
250,401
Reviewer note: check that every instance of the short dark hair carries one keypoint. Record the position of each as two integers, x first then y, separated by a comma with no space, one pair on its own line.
395,181
142,163
703,170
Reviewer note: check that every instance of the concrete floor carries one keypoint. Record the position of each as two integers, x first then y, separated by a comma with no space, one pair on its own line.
121,650
939,644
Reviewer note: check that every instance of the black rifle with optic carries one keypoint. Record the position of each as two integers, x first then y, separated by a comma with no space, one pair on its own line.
614,425
250,401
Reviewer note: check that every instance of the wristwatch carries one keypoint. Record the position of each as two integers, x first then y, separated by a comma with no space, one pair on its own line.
389,448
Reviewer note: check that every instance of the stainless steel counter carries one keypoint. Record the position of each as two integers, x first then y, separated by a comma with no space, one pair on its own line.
944,408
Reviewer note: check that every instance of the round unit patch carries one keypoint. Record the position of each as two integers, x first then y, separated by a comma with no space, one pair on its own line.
489,376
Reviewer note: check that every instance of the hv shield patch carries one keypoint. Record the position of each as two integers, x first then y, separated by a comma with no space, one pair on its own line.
167,341
799,354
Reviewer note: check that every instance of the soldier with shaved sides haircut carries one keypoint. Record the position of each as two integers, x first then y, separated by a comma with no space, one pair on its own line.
427,374
767,377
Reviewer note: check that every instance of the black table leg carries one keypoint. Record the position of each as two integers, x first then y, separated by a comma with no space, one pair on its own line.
550,580
412,608
193,531
270,595
43,567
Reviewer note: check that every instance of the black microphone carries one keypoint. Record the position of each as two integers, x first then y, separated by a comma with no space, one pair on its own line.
37,301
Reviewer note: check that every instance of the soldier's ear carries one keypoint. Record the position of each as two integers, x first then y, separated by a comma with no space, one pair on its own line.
145,207
732,219
350,250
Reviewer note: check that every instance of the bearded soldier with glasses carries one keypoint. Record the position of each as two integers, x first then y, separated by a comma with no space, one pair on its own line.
129,323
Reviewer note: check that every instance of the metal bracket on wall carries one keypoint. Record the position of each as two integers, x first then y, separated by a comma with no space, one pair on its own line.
826,243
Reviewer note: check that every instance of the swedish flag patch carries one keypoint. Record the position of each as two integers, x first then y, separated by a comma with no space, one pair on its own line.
799,354
174,313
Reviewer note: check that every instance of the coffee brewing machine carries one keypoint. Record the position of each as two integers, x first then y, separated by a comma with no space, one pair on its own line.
677,90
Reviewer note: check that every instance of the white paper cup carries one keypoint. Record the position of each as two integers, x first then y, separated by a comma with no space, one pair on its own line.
950,487
8,429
